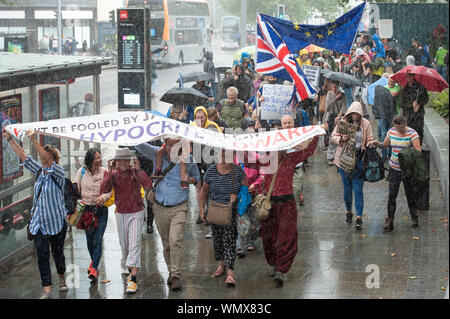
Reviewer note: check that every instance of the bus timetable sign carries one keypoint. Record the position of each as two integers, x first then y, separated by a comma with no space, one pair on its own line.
130,36
134,74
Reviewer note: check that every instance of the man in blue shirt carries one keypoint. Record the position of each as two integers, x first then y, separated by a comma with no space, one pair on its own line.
171,206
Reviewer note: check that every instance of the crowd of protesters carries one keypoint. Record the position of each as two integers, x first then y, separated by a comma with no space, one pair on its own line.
149,170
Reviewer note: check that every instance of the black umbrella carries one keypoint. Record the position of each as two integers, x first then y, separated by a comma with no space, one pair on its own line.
393,45
195,76
325,71
184,96
344,78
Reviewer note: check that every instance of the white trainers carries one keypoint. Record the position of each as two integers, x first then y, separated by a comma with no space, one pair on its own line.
46,295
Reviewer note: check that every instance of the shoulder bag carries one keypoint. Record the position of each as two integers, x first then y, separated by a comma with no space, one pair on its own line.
151,197
219,213
262,202
347,160
323,104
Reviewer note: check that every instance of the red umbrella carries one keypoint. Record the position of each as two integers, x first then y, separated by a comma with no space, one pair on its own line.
430,78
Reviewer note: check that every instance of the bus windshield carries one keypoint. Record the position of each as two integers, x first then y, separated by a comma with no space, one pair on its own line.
180,29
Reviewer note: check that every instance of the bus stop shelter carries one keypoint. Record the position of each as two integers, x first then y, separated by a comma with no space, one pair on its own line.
34,87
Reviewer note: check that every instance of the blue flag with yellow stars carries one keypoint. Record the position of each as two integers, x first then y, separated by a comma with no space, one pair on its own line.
338,35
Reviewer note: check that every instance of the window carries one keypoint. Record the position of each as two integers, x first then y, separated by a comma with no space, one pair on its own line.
183,37
186,8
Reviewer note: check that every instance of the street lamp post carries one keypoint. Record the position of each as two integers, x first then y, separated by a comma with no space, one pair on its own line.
243,23
59,29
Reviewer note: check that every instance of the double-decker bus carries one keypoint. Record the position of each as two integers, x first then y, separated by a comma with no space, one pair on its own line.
230,33
180,29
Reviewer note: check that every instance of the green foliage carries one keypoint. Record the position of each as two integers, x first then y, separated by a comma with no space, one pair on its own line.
8,2
439,102
298,11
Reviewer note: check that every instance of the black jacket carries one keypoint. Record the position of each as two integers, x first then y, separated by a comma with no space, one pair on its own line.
383,105
243,84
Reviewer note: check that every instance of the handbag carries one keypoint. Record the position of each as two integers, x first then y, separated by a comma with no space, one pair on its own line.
219,213
347,160
88,221
322,104
262,202
151,197
244,225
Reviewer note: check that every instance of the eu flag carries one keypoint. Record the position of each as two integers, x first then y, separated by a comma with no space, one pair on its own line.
338,35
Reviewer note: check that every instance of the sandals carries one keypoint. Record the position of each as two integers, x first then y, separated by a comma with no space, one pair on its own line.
220,271
230,280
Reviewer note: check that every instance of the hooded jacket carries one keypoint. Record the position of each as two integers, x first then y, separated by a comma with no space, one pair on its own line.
208,65
379,47
299,60
208,122
243,84
365,126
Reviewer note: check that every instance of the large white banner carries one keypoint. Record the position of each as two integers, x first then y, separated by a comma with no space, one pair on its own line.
133,128
276,101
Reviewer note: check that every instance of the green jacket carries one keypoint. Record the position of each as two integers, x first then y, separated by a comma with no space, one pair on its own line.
232,114
413,165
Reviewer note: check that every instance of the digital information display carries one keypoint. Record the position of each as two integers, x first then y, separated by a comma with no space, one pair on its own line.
130,36
134,74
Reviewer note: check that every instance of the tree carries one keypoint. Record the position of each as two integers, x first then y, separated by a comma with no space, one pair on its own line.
8,2
298,11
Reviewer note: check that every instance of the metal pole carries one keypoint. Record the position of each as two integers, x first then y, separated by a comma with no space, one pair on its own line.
214,14
59,28
243,23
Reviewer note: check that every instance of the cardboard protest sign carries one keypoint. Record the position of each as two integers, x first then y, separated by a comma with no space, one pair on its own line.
277,101
345,128
133,128
312,73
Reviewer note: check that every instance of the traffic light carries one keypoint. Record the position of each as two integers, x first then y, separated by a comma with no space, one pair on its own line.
281,11
112,17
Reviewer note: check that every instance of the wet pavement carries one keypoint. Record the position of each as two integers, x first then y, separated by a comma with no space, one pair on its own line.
334,261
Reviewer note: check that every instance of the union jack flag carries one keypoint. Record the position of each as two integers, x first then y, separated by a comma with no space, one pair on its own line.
273,58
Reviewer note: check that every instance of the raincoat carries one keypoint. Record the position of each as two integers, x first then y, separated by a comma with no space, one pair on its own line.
379,47
208,122
366,129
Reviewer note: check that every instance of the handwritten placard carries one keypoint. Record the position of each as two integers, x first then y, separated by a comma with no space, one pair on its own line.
345,128
276,101
312,73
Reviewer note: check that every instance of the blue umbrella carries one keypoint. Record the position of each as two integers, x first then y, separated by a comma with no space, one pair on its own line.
157,113
371,89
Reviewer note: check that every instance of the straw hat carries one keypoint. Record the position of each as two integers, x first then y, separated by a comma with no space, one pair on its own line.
123,154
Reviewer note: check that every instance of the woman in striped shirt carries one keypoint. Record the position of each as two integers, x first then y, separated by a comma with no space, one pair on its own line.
48,222
218,187
400,137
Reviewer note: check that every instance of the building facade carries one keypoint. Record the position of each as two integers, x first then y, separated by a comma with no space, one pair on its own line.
31,20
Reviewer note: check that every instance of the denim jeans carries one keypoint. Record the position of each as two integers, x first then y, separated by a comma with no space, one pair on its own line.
381,131
349,95
43,243
353,184
94,239
442,70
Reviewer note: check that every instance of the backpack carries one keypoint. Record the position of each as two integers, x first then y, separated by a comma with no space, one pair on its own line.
70,193
372,166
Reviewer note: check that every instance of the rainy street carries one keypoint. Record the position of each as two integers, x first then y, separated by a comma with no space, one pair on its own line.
320,86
